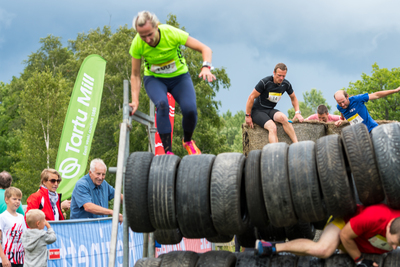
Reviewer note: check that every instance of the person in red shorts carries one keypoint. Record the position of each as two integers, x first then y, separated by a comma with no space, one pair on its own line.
373,229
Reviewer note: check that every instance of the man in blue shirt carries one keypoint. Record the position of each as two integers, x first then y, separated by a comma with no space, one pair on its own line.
92,193
354,109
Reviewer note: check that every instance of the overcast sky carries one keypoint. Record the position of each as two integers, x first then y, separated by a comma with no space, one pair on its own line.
325,44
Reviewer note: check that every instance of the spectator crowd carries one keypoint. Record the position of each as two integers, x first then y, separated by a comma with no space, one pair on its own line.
24,240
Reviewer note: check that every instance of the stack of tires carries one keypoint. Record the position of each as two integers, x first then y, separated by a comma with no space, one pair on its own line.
247,259
190,259
199,196
280,192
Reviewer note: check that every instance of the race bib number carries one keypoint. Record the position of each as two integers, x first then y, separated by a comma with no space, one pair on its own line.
380,242
274,97
168,67
355,119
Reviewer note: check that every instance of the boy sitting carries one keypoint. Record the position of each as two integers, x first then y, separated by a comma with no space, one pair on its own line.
12,225
35,239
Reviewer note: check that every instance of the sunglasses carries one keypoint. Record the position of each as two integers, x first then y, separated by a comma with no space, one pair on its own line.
53,181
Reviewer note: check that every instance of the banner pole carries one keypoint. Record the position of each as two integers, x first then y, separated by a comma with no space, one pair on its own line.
125,232
152,130
117,196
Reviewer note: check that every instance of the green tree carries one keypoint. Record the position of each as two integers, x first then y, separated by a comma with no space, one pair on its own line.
10,122
8,141
114,48
51,56
44,103
386,108
305,110
312,100
209,123
233,130
30,147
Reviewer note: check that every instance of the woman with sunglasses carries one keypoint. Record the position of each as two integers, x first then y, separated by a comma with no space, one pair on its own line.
47,199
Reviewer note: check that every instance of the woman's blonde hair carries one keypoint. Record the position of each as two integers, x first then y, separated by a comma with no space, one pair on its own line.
144,16
44,176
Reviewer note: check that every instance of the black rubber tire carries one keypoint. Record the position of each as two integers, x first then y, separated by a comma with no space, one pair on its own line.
180,259
216,259
285,260
161,191
248,238
247,259
275,185
220,238
228,199
168,236
300,230
272,233
135,197
339,260
193,196
321,224
304,184
386,140
335,180
361,156
392,259
254,195
310,261
148,262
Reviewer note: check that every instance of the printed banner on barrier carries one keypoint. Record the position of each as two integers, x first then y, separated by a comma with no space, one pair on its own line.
80,123
87,244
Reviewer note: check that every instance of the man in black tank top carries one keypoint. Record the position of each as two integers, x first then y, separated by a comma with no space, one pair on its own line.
260,106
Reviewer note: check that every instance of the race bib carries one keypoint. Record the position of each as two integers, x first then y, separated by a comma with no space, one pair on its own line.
355,119
168,67
274,97
380,242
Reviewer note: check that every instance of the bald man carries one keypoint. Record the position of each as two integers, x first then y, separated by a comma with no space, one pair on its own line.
354,109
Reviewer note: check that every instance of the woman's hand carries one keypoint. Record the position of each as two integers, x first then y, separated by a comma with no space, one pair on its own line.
66,204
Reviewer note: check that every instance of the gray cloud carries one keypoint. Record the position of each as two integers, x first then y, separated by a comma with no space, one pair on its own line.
5,22
326,44
5,18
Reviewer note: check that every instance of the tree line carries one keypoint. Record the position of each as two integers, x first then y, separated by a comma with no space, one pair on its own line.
33,106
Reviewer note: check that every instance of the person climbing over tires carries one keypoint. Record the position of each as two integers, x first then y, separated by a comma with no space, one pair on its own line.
373,229
353,108
323,115
166,71
260,105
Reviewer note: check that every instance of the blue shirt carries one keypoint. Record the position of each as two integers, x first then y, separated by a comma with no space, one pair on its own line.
86,191
357,109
